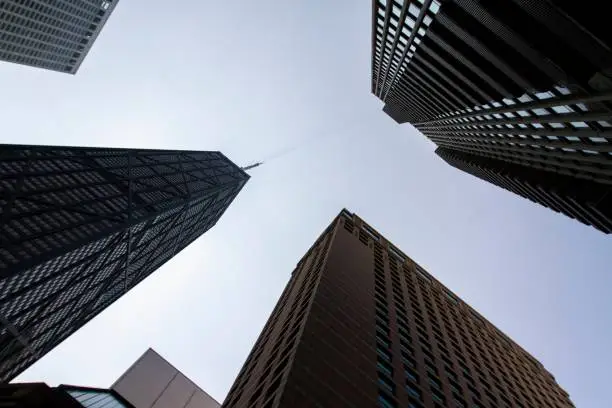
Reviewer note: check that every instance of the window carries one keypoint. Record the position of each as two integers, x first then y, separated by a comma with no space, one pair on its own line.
597,139
346,213
427,353
403,332
95,398
450,373
382,327
544,95
370,232
438,398
385,354
525,98
434,382
562,109
423,274
456,388
459,403
430,367
380,298
413,9
540,112
396,10
434,6
382,307
386,383
563,90
413,392
385,401
408,361
451,297
414,404
272,388
411,375
401,317
384,367
406,348
382,316
383,341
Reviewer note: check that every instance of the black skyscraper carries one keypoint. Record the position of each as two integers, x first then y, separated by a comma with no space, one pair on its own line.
51,34
523,85
80,227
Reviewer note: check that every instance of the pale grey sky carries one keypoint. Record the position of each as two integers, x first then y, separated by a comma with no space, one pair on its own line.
253,78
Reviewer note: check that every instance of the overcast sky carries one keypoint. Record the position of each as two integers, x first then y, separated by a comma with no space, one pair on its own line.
252,78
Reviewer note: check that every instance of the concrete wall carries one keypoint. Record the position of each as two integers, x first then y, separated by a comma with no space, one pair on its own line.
152,382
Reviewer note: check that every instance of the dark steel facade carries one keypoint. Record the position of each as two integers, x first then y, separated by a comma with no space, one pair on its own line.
362,325
79,227
55,35
526,82
40,395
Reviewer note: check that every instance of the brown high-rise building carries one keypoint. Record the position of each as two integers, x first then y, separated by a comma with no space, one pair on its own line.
362,325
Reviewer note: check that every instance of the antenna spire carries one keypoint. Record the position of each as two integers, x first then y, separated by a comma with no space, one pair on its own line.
251,166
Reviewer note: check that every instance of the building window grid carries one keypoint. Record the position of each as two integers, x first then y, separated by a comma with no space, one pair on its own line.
555,109
57,28
515,396
51,28
571,146
275,362
562,162
399,44
470,334
70,296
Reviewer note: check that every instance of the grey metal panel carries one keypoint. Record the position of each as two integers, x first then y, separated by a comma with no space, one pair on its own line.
177,393
202,400
146,380
152,382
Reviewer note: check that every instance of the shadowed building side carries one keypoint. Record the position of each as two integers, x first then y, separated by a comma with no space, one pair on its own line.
584,200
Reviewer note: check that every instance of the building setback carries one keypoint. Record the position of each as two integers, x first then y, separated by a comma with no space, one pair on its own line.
55,35
362,325
152,382
80,227
525,84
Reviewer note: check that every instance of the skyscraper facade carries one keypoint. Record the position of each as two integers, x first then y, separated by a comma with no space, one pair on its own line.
79,227
526,84
360,324
55,35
